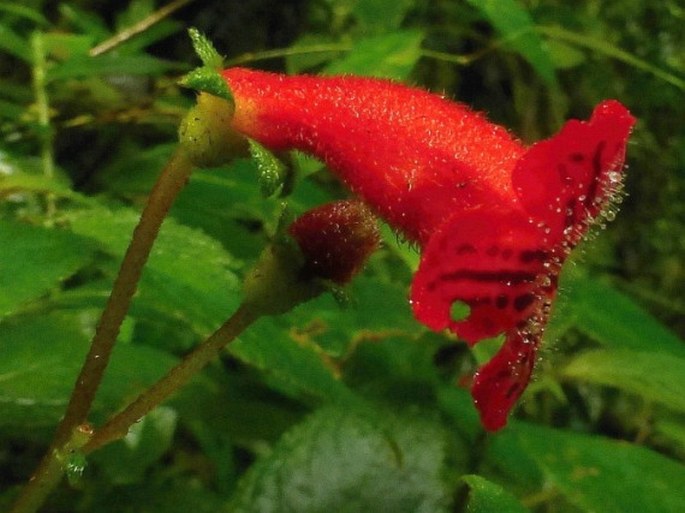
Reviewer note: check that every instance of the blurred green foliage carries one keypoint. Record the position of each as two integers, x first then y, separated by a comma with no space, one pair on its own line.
329,409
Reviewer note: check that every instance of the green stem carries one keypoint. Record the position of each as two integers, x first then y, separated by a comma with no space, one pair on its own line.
119,424
46,135
171,181
277,53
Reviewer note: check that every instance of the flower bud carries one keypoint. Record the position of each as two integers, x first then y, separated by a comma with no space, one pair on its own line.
336,239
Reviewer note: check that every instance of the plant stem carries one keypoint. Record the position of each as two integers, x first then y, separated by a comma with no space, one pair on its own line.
46,135
169,184
141,26
117,426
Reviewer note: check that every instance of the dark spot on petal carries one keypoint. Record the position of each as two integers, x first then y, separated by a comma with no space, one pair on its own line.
597,170
466,249
523,301
576,157
492,251
501,301
528,256
512,390
502,276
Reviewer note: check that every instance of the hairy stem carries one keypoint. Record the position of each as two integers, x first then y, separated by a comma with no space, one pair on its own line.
171,181
119,424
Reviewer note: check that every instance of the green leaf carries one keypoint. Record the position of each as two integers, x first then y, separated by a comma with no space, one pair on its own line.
341,461
14,44
564,56
514,23
205,50
66,46
271,170
35,260
381,15
598,474
84,20
127,461
388,56
80,66
655,376
488,497
312,50
614,320
23,11
18,177
188,275
296,368
600,45
40,357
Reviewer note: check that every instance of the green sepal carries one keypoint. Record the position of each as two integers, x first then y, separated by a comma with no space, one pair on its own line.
205,50
274,285
272,172
208,80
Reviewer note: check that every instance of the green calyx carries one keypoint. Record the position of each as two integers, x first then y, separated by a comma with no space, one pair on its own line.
206,134
207,78
205,50
274,285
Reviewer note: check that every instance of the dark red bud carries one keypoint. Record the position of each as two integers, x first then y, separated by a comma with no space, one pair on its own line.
336,239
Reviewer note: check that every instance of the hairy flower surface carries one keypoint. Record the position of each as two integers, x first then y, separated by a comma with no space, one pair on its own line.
494,219
336,239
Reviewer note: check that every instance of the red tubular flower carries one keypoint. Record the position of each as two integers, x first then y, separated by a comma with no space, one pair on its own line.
495,220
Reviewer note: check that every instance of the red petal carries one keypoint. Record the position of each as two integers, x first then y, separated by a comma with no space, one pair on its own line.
414,157
500,382
565,181
492,260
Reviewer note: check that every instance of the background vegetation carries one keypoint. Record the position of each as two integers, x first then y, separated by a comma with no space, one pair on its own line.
331,409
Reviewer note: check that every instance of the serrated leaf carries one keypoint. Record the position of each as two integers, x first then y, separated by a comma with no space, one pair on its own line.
40,357
489,497
655,376
188,275
391,55
338,460
271,170
514,23
598,474
614,320
297,369
34,260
